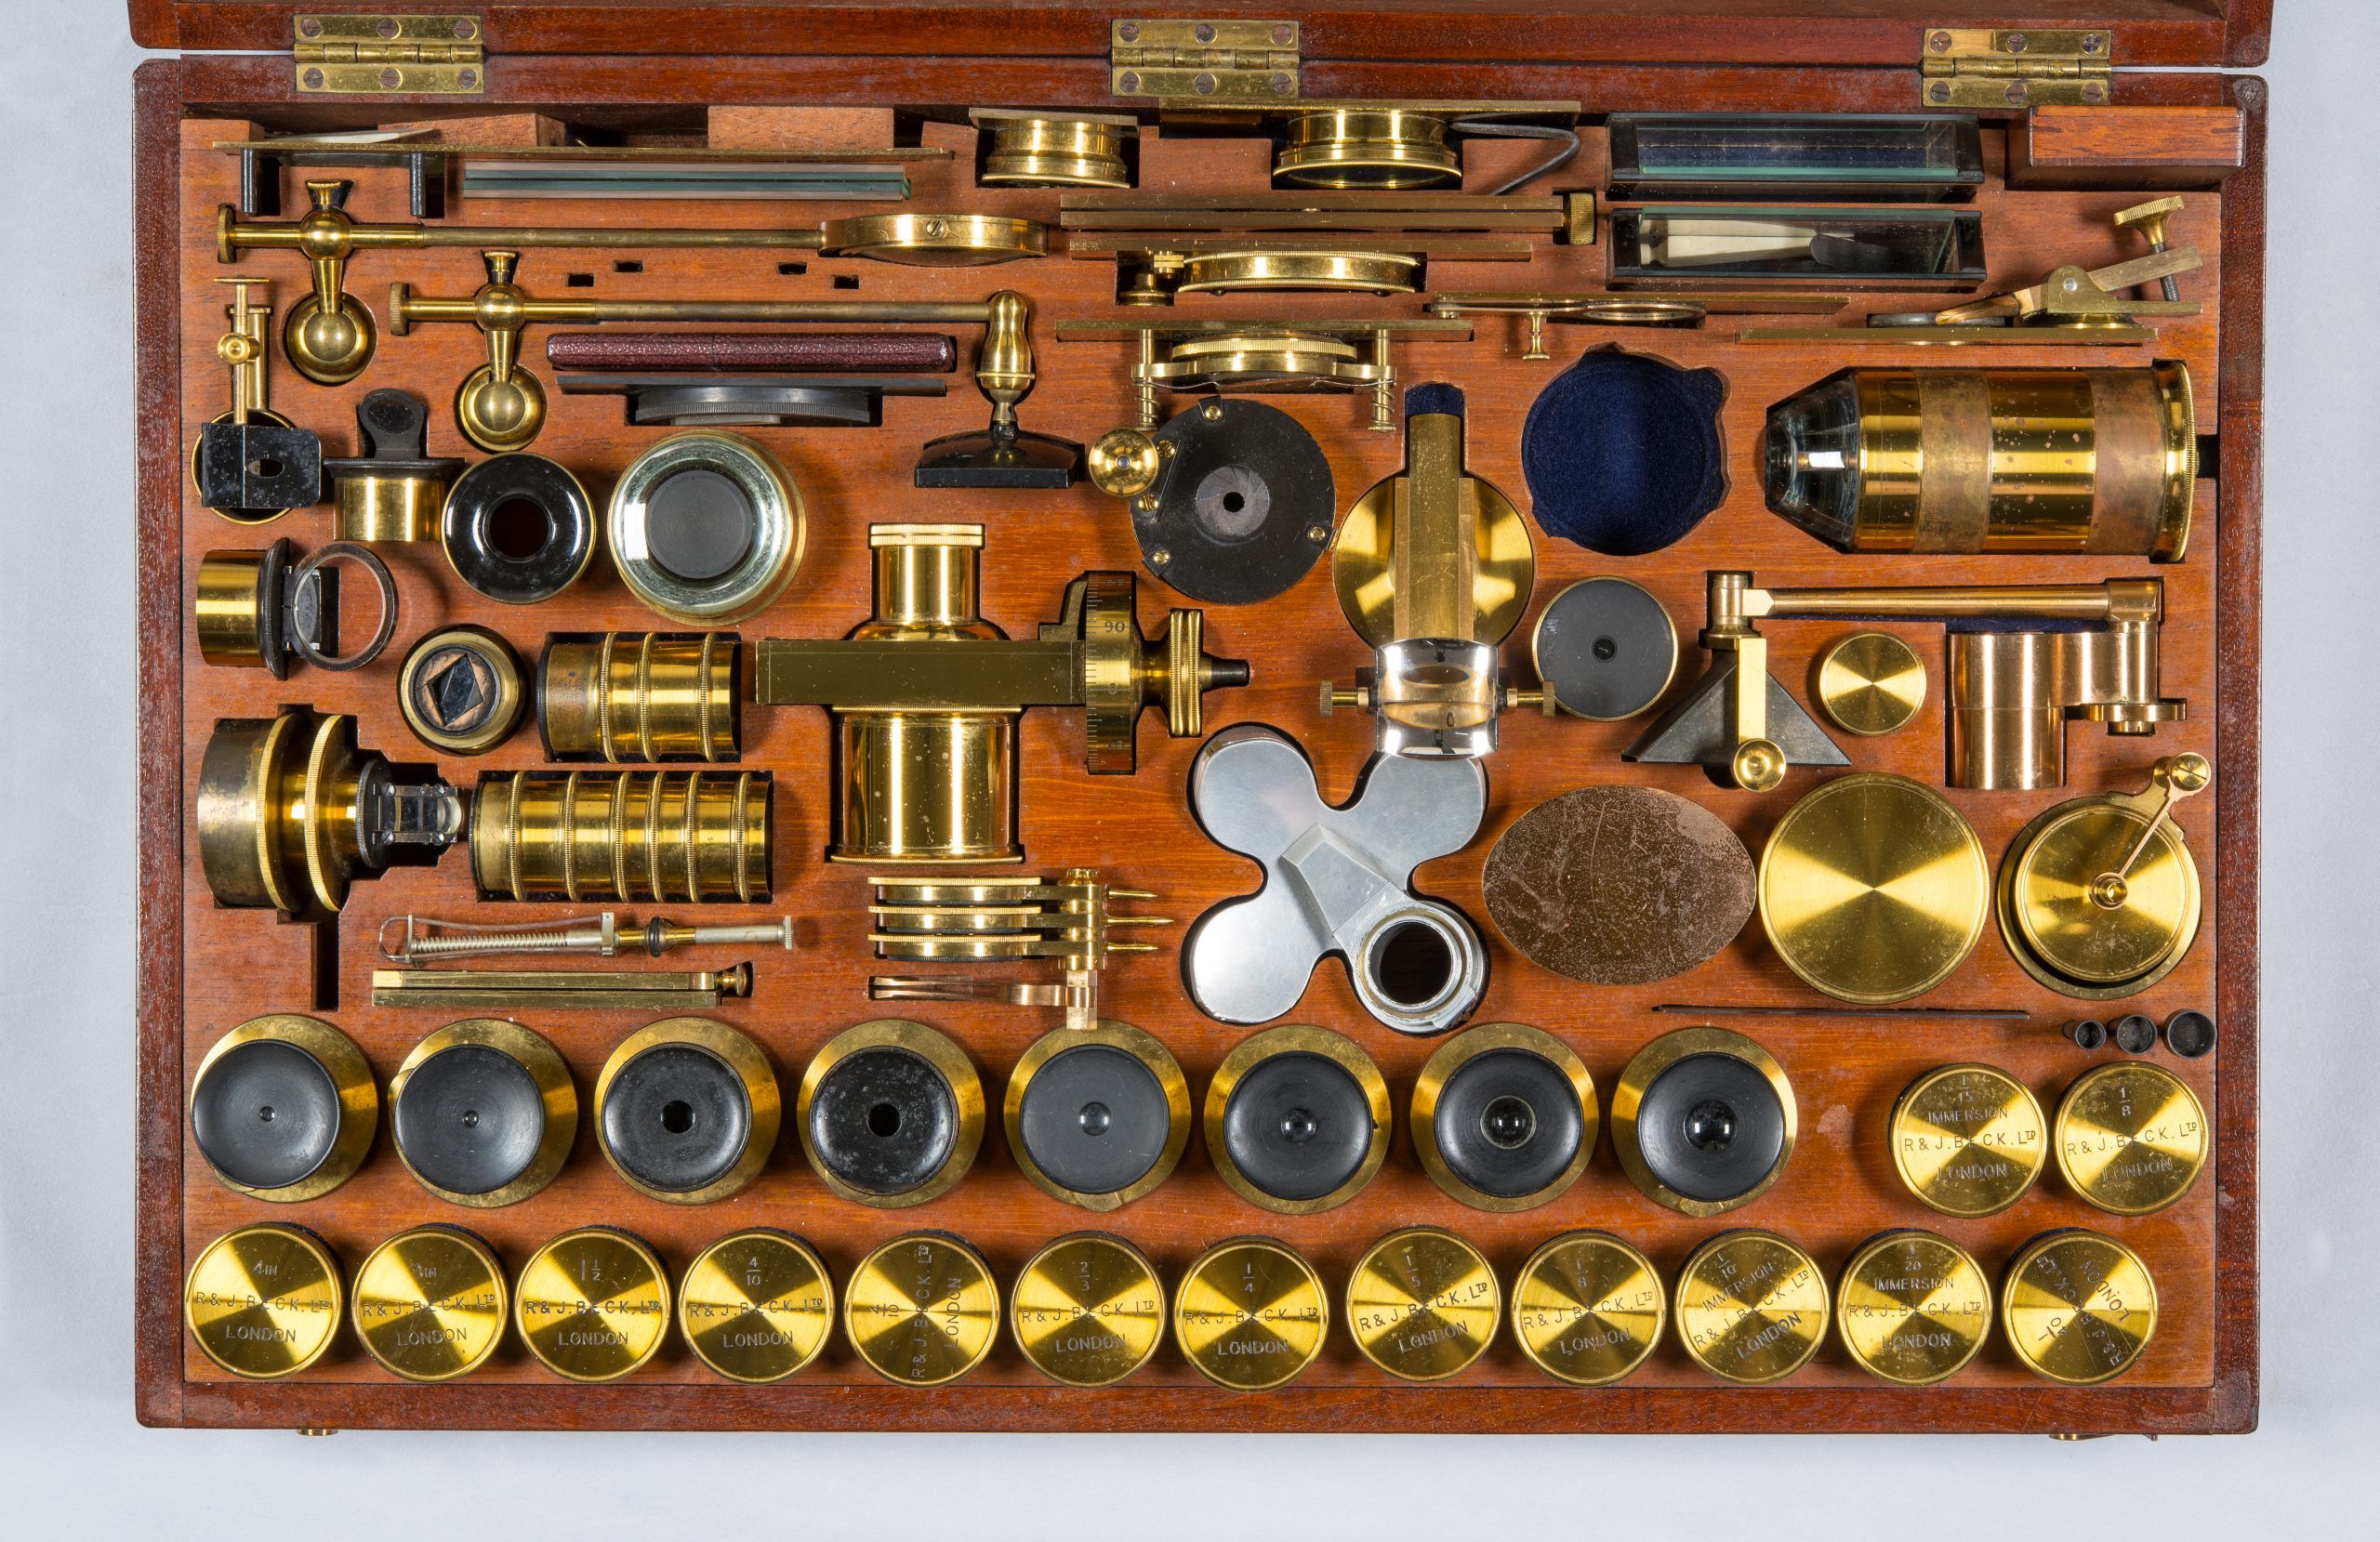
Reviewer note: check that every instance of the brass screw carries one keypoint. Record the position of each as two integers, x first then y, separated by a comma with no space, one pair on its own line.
2015,43
310,26
1129,83
1939,43
1204,32
2151,219
1282,33
386,27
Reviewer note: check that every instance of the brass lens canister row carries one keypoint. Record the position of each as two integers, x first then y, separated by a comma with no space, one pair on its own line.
1089,1310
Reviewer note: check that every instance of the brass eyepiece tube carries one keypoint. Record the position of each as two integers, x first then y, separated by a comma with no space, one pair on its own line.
621,836
650,696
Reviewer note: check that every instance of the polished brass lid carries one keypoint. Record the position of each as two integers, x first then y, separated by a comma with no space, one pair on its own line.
1968,1140
2078,1308
922,1309
2130,1138
263,1301
1087,1310
1750,1307
1587,1309
1422,1303
592,1304
1874,889
755,1306
559,1131
1912,1307
1297,268
937,239
1870,683
430,1303
2098,897
342,1068
1251,1314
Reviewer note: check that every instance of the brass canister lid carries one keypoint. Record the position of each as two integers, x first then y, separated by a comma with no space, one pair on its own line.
757,1306
1750,1307
2130,1138
1588,1309
263,1301
2078,1308
1912,1308
1870,683
1087,1309
1968,1140
592,1304
1422,1303
922,1309
1251,1314
430,1303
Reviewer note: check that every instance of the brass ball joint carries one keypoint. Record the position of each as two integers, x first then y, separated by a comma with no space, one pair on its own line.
262,608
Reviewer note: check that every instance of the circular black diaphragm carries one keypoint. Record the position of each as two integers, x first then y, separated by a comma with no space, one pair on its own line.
518,528
1297,1126
698,524
676,1118
1606,649
1244,505
469,1119
266,1114
883,1120
1710,1127
1094,1119
1508,1123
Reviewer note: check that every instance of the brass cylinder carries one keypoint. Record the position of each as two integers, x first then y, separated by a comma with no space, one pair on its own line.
2005,731
229,605
1367,147
1030,151
694,836
368,506
627,696
2101,461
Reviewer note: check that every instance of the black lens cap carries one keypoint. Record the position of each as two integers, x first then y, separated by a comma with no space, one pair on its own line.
676,1118
1297,1126
1508,1123
1710,1127
2135,1033
1094,1119
1606,649
883,1120
699,525
469,1119
266,1114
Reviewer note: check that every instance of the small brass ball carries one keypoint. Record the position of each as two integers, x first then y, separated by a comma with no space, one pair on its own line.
329,348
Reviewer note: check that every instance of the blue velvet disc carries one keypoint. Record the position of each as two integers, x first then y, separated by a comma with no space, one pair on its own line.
1622,451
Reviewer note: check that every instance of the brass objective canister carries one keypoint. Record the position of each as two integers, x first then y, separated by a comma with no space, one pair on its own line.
2078,1308
1912,1308
1968,1140
1381,148
1750,1307
593,1304
1087,1310
621,836
283,1108
2130,1138
922,1309
1050,150
1251,1314
1963,460
757,1306
1423,1304
1588,1309
628,697
430,1303
263,1301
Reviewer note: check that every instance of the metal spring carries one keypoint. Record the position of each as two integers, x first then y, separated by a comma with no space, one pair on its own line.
474,940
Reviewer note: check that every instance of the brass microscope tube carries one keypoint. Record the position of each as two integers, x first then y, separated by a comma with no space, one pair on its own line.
621,836
627,696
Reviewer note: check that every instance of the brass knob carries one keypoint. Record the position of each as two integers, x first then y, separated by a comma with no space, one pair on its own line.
1588,1309
2130,1138
1912,1308
1968,1140
1423,1304
1087,1309
757,1306
1870,683
1124,461
430,1303
1251,1314
2078,1308
263,1301
1750,1307
593,1304
922,1309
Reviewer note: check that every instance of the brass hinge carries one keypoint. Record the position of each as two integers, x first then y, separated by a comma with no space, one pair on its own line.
381,56
2008,67
1203,61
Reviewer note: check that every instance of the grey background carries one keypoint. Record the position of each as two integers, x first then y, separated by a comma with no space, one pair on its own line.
73,1461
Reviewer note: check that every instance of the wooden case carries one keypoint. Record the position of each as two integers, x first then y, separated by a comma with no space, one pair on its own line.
744,72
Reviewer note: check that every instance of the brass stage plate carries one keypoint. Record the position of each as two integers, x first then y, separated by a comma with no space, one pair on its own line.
1750,1307
430,1303
1423,1304
1251,1315
2130,1138
757,1306
1968,1140
1087,1310
2078,1308
1588,1309
922,1309
2072,931
263,1301
1870,683
592,1304
1913,1308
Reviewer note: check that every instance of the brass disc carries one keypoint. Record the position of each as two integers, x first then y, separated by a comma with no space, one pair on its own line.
1128,1040
1382,147
1363,273
263,1301
2130,1138
1874,889
1502,1038
1870,683
1251,1314
1423,1304
1968,1140
937,240
741,1056
1912,1308
545,1067
2055,913
592,1304
922,1309
1750,1307
1363,564
757,1306
2078,1308
1588,1309
1087,1310
350,1081
1266,361
430,1303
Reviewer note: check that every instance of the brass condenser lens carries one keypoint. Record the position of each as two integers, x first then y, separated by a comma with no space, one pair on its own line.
1750,1307
757,1306
283,1108
624,696
2130,1138
1588,1309
1912,1308
1251,1314
1423,1304
430,1303
695,836
1968,1140
2078,1308
1087,1310
592,1305
1383,148
922,1309
263,1301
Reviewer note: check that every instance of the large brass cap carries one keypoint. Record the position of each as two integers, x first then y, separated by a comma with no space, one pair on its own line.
1912,1308
1968,1140
1588,1309
1087,1310
922,1309
1423,1304
592,1304
755,1306
430,1303
1251,1314
263,1301
1870,683
2078,1308
2130,1138
1750,1307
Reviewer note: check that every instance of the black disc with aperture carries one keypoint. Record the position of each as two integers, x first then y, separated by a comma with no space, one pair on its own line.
1094,1119
469,1119
1606,649
1710,1127
676,1118
1297,1126
883,1120
1244,504
266,1114
1508,1123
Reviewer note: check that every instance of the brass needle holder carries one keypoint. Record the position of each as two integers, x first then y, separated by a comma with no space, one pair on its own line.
419,937
489,990
979,919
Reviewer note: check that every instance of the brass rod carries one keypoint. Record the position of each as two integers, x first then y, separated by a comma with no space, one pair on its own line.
2049,601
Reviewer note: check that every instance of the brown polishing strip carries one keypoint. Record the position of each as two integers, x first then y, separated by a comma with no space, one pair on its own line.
1618,885
753,353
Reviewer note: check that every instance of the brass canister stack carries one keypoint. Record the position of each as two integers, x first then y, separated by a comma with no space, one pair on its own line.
627,696
625,836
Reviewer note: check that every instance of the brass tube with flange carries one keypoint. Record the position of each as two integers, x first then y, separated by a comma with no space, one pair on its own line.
1031,148
701,837
1385,147
648,696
